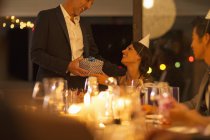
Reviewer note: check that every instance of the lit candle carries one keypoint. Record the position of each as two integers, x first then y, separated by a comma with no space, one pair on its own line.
127,102
101,125
74,109
120,104
87,99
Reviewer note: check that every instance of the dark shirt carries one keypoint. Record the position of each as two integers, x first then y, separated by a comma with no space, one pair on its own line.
199,101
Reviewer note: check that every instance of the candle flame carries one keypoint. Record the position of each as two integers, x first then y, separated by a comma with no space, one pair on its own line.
101,125
74,109
87,99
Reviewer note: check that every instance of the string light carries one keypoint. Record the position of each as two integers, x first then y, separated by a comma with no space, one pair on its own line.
32,25
15,22
12,26
28,24
12,17
162,67
177,65
149,71
4,25
191,59
21,27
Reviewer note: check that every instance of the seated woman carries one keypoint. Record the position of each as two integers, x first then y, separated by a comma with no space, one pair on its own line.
137,59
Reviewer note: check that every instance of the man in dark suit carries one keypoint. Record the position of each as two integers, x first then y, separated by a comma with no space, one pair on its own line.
60,41
201,49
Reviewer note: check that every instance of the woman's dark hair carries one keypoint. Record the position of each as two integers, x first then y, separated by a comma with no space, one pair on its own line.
202,26
146,57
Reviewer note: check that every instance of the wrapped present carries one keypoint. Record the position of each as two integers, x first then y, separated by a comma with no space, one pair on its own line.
93,65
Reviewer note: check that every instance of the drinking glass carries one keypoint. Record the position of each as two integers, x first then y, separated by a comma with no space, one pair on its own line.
148,94
55,90
175,93
38,94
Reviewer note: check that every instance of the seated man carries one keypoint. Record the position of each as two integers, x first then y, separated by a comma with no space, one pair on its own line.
201,102
181,114
201,49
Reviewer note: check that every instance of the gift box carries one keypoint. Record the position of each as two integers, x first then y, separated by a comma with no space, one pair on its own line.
93,65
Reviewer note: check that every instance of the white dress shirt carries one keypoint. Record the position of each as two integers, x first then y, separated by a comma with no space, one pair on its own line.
75,34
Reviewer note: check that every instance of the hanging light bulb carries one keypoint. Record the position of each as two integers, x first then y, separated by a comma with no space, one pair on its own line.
148,4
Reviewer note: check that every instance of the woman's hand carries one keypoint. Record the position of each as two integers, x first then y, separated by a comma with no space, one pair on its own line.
101,78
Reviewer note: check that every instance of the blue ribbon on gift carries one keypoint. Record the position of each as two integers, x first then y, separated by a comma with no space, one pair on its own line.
92,59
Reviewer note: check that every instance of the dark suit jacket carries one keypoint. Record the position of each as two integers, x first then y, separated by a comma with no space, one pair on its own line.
198,102
51,46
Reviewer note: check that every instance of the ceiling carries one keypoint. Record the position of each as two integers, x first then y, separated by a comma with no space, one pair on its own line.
100,8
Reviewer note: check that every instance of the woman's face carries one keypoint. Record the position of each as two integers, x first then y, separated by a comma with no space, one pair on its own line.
130,56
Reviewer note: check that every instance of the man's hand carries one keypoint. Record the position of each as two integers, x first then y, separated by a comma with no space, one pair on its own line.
76,70
179,112
183,115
